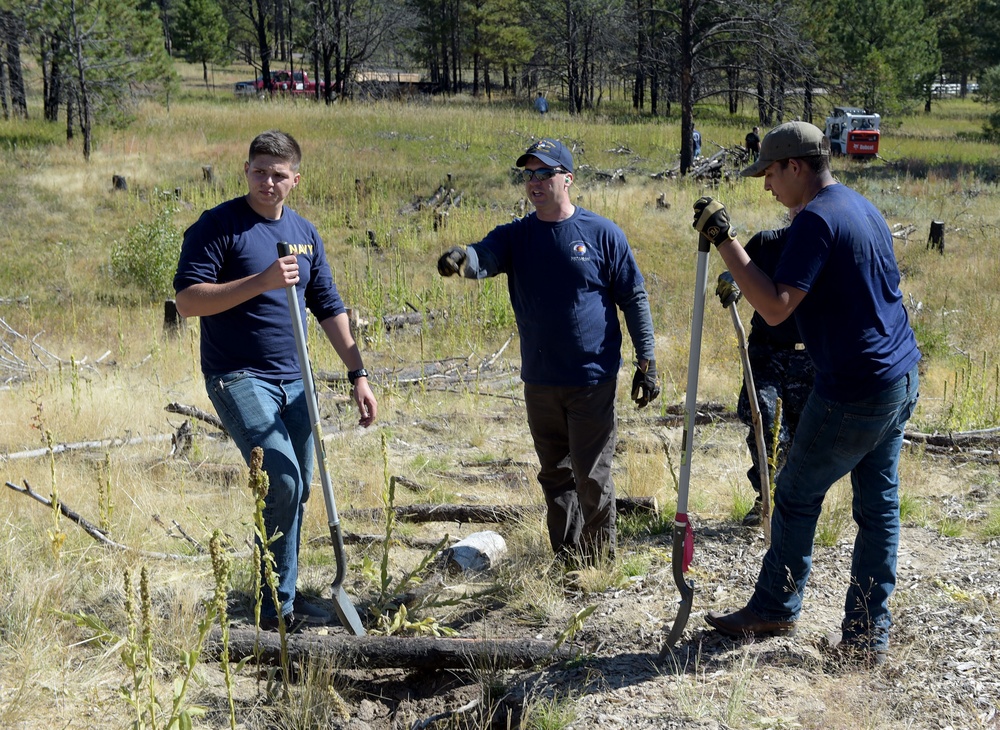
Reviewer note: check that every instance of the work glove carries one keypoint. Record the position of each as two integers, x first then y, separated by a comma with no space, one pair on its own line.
645,387
727,290
451,261
712,221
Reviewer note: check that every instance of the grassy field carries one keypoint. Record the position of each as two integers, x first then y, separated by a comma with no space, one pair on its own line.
84,356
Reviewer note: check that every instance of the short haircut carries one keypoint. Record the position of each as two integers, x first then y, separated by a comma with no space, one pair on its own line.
816,163
277,144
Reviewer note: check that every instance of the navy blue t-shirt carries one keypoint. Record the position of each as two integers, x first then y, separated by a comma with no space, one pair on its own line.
231,242
852,319
566,282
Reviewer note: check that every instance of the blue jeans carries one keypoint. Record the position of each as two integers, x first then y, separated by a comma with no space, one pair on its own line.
833,439
275,416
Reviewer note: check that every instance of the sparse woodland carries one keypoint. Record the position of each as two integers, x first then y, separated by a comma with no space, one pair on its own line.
128,517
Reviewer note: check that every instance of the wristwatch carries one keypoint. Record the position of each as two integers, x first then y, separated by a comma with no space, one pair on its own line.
355,374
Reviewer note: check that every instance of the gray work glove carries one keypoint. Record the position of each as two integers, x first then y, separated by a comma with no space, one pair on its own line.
645,387
712,221
727,290
451,261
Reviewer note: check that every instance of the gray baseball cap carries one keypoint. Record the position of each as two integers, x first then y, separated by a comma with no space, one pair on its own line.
791,139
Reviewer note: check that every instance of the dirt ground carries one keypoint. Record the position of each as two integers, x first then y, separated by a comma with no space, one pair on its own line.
941,672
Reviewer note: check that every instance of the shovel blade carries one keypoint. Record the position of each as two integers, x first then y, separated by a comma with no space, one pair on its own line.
348,615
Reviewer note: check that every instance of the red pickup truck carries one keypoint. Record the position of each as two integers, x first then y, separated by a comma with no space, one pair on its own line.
282,82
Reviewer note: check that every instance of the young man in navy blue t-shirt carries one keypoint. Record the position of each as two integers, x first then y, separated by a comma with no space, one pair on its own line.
229,274
569,271
838,277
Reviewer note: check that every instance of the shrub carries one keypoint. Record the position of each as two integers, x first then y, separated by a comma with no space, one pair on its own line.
147,257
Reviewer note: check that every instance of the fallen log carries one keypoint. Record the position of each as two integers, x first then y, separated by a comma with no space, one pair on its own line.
957,439
386,652
486,513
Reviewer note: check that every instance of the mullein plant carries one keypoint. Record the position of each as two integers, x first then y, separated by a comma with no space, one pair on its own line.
772,458
221,570
262,556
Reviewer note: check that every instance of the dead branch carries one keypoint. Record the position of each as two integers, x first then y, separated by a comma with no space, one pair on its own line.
408,484
93,530
352,538
191,412
384,652
86,446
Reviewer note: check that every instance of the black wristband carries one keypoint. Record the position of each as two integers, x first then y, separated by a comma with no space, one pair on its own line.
355,374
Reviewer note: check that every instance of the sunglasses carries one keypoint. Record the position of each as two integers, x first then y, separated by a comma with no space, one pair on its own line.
541,174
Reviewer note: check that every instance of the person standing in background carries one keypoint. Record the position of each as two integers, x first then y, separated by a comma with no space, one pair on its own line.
753,144
541,104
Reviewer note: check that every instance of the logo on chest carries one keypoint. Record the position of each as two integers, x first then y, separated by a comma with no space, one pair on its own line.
579,251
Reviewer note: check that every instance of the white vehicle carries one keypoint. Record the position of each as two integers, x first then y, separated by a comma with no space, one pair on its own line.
853,132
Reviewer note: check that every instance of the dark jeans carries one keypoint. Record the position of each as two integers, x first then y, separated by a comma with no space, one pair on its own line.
863,439
574,431
778,372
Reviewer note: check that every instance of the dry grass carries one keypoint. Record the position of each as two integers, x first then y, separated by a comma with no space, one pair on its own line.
70,216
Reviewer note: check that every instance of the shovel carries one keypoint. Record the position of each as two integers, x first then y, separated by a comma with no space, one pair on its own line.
345,609
683,534
758,423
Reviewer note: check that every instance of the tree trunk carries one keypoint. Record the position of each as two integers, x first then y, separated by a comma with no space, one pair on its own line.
15,76
260,21
4,88
687,85
82,84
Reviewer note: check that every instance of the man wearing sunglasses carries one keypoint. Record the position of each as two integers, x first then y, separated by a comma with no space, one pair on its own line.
569,271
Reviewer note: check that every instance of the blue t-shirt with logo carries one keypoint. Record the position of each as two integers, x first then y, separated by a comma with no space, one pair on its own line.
231,242
566,281
852,318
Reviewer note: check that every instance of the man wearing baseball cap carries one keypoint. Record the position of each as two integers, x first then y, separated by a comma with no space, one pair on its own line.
569,271
838,277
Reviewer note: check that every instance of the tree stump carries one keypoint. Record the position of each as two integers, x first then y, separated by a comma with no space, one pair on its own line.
118,182
173,322
936,237
207,174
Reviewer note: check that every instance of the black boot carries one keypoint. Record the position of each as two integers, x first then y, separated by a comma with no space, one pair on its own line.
753,517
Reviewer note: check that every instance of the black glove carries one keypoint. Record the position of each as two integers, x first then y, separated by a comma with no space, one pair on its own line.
451,261
645,387
728,290
712,221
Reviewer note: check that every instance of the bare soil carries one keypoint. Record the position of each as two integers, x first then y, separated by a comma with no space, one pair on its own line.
941,672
